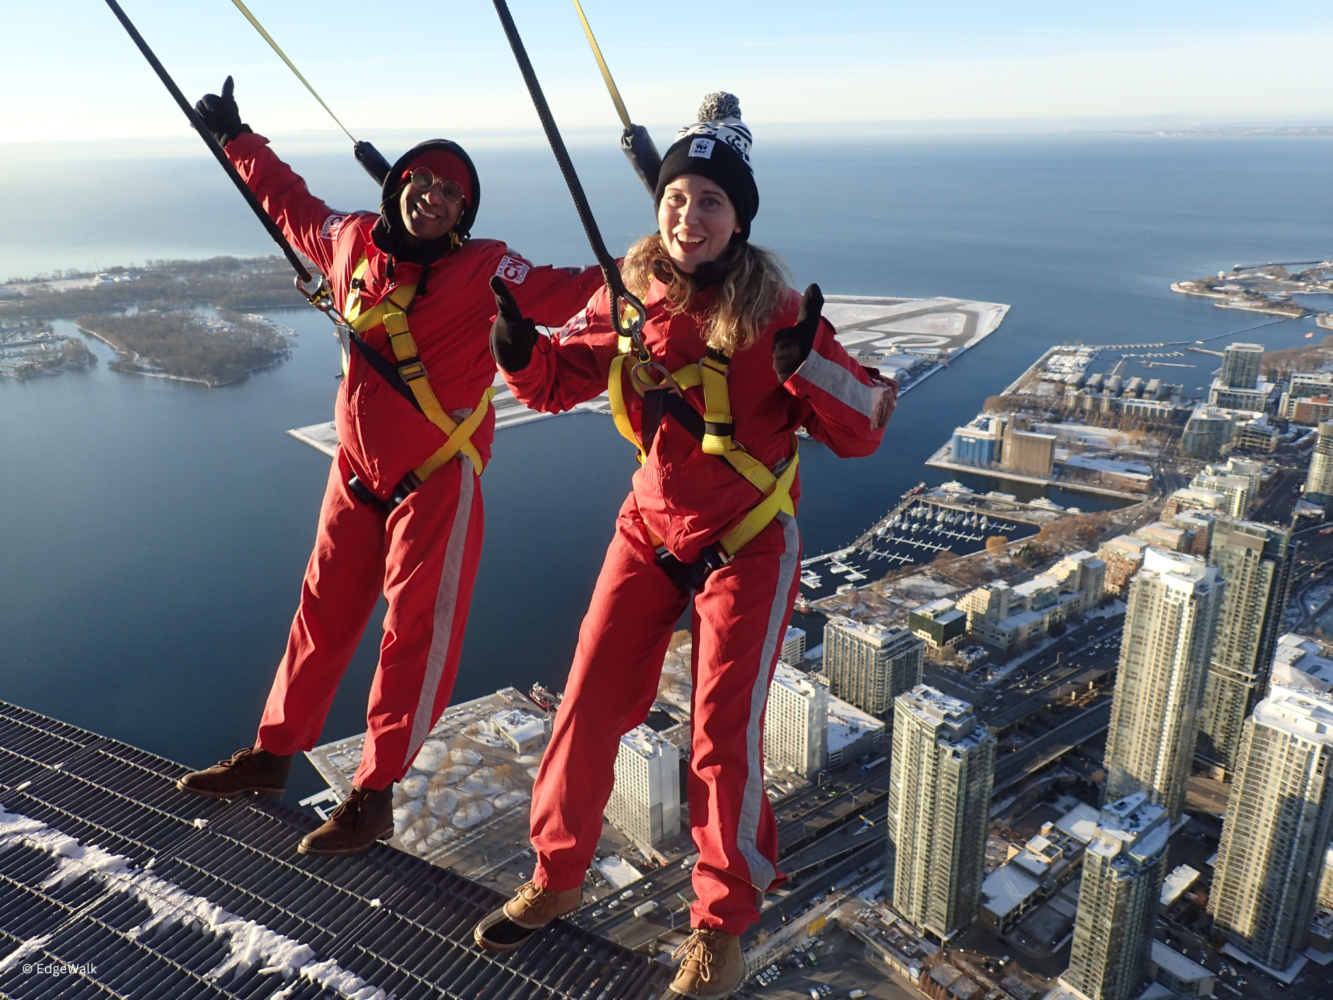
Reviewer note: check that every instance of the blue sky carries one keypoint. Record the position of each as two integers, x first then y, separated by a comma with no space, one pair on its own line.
71,73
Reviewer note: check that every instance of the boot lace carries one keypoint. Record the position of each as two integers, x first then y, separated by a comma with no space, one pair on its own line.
238,757
695,955
350,808
530,892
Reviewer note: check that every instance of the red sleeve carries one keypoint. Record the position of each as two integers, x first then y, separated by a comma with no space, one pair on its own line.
851,404
309,224
570,367
549,296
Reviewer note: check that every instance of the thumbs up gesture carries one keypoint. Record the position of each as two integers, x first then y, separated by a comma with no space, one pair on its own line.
792,344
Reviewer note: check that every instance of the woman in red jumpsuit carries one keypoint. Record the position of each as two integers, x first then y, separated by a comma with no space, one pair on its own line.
389,523
709,293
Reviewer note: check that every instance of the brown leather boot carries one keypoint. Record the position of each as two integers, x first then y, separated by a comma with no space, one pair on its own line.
364,817
711,966
531,909
249,770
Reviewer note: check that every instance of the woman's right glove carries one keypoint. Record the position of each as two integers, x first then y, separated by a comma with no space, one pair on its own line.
221,114
792,344
513,335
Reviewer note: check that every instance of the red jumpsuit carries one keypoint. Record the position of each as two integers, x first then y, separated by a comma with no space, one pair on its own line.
424,555
689,499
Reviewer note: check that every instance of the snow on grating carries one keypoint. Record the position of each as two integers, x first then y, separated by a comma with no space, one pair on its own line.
103,863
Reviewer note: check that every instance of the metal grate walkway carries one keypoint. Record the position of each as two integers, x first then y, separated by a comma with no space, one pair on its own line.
143,892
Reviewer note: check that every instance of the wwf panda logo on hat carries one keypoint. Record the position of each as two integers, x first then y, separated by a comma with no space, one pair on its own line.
717,146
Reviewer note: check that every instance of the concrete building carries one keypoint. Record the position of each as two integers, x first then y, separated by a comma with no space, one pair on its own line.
1198,524
1241,364
869,666
1183,978
1245,400
1009,619
1164,649
1028,453
1306,400
1271,858
1236,489
851,733
1118,898
1258,434
1194,499
1161,535
523,731
796,723
1046,863
939,802
1319,481
979,443
1306,385
1307,411
1303,663
793,646
1207,434
1254,560
1122,556
645,802
938,623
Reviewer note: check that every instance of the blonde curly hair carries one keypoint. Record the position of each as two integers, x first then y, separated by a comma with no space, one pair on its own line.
755,285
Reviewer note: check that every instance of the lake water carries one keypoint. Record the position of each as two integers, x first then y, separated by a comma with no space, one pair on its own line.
153,533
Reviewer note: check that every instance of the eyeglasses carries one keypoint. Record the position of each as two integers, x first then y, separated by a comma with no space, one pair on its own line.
423,180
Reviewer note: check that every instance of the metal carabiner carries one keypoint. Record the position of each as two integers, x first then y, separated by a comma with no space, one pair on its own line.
628,315
322,299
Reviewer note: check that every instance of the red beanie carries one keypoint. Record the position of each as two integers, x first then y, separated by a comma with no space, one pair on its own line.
442,164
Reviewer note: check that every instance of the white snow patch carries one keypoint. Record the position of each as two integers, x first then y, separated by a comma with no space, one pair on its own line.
16,956
251,944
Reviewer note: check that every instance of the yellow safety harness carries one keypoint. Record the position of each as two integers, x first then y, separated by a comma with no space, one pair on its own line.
392,314
716,439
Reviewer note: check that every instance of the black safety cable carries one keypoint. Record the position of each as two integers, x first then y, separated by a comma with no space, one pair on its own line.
628,322
214,146
315,290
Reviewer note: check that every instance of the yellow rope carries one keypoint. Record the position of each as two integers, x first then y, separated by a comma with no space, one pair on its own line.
290,65
606,73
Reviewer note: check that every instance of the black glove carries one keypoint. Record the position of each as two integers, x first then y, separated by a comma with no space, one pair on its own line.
513,335
791,344
221,115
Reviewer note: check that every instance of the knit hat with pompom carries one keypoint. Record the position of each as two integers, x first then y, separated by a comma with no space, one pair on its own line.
717,146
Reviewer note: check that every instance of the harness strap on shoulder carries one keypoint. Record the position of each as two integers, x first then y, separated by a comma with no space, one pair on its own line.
718,425
714,431
391,313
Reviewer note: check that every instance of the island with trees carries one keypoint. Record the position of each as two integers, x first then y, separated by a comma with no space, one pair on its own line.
170,319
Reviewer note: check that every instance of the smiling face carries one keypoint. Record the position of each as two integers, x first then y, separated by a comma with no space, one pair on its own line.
697,221
429,214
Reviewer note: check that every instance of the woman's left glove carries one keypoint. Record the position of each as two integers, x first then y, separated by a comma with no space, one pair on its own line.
513,335
792,344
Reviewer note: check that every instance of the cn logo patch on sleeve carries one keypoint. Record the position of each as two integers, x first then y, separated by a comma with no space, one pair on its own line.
702,148
332,227
512,270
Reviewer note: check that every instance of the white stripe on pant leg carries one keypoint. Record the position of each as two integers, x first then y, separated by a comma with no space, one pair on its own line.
762,872
446,601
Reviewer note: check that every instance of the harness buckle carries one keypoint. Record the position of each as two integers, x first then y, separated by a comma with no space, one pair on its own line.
411,370
668,381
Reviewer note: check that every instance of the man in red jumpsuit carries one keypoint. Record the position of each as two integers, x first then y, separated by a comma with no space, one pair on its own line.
390,523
